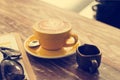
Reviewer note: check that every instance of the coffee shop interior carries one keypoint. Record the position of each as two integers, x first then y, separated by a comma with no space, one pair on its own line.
59,40
100,10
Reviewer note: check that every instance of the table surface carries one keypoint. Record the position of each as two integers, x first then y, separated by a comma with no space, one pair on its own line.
20,15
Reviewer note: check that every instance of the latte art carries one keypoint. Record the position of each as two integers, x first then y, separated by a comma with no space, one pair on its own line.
53,26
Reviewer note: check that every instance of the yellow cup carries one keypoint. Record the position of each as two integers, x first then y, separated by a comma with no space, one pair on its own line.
53,34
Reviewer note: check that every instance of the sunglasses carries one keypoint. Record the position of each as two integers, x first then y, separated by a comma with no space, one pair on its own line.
10,67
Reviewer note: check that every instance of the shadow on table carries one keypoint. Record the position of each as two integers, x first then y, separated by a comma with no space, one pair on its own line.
67,68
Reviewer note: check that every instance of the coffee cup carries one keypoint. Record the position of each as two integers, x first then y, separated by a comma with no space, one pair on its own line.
53,34
88,57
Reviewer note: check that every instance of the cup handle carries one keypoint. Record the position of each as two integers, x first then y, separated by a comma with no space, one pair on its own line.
94,7
75,37
94,66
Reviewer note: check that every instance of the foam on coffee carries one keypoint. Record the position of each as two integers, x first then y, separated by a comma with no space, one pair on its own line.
53,26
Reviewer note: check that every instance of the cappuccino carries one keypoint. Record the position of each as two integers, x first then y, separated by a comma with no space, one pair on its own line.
53,34
53,26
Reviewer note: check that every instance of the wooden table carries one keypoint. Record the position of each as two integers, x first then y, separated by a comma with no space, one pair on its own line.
20,15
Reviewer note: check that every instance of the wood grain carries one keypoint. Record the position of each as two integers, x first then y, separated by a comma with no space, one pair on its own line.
25,60
20,15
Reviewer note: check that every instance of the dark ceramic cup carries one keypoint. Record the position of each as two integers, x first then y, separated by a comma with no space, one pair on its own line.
108,2
88,58
108,11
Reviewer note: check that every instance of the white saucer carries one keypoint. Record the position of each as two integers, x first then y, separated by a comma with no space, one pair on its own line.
43,53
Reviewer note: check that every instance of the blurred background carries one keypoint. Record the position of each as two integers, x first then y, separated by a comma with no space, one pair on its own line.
82,7
106,11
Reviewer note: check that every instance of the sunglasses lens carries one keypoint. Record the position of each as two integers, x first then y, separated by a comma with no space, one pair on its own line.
0,75
12,70
15,77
